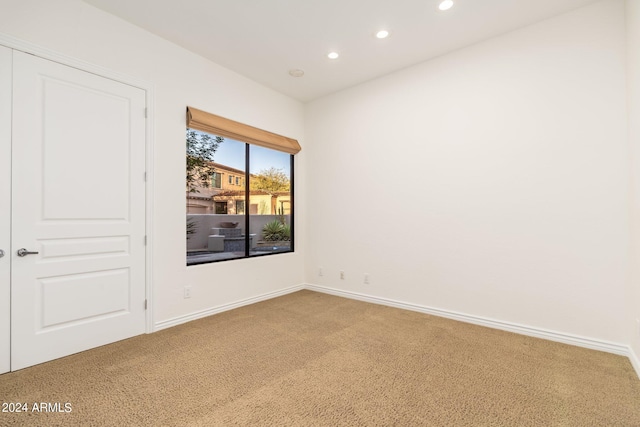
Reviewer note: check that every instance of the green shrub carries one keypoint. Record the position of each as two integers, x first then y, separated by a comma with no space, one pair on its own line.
273,231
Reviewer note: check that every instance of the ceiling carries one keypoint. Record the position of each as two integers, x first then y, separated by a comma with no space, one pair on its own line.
264,39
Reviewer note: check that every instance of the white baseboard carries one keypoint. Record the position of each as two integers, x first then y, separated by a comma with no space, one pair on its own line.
579,341
225,307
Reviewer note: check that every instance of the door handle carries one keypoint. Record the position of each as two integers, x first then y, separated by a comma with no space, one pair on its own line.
24,252
1,253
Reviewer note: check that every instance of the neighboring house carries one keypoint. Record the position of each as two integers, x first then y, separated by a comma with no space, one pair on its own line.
226,195
224,179
261,202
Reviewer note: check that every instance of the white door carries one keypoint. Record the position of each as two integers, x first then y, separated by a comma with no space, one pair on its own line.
5,211
78,200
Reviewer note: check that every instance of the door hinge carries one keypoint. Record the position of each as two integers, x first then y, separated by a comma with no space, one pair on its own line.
145,304
145,240
145,113
145,177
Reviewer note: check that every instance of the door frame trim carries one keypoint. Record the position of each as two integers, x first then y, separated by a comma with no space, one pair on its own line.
149,89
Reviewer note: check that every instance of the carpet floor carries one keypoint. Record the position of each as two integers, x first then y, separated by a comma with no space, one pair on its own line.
310,359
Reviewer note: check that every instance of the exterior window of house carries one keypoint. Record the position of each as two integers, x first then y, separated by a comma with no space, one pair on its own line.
221,208
216,179
262,165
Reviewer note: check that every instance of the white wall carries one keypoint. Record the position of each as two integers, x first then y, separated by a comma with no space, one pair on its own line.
492,181
633,81
73,28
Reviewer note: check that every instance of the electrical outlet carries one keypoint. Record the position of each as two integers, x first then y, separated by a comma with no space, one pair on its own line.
366,278
341,275
187,292
320,272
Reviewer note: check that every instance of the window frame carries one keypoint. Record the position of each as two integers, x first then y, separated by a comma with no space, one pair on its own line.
248,252
248,214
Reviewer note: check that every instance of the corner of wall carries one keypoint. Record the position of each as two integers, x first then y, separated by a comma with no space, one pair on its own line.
634,358
632,15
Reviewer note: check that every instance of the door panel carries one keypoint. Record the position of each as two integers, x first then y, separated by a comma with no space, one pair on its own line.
78,200
5,210
104,194
104,293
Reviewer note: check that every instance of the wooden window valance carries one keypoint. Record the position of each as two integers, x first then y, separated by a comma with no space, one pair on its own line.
210,123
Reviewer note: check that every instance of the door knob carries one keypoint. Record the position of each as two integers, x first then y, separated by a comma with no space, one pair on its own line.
1,253
24,252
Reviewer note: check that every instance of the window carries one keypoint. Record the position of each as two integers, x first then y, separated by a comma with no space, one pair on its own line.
262,165
221,208
216,179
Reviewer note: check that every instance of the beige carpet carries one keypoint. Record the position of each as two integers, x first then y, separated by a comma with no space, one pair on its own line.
309,359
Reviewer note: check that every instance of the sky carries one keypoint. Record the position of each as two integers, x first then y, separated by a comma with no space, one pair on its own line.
231,153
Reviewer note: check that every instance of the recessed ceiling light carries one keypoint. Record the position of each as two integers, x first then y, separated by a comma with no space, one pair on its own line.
333,55
446,5
382,34
295,72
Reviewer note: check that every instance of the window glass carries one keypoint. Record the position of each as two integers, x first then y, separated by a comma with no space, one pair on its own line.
270,201
217,216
